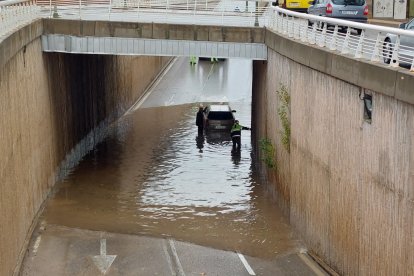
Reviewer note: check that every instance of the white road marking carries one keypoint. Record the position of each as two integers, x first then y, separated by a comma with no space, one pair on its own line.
168,257
177,260
246,264
103,261
208,77
36,245
170,101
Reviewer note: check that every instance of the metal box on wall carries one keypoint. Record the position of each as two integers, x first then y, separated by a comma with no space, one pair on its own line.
393,9
383,9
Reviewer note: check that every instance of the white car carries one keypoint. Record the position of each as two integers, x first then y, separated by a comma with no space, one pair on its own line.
218,117
406,50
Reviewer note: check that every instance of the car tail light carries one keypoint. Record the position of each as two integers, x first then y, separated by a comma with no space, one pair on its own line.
329,8
366,10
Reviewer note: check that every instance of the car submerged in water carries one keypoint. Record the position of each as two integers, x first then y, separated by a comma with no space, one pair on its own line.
406,50
218,117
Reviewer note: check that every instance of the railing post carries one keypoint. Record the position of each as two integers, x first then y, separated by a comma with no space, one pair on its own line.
312,39
375,55
13,16
358,52
332,46
291,27
325,27
222,16
256,16
166,10
395,60
110,9
80,9
296,29
412,66
271,23
139,4
345,49
304,31
281,23
285,24
272,20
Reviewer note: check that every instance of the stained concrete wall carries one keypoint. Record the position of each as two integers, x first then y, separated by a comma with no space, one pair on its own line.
49,103
154,31
347,185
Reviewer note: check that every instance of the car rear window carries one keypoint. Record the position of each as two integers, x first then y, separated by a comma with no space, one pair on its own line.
349,2
215,115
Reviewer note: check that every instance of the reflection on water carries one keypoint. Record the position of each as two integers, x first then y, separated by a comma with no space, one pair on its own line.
149,178
200,142
154,175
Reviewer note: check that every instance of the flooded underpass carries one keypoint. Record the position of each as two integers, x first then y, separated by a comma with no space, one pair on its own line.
154,176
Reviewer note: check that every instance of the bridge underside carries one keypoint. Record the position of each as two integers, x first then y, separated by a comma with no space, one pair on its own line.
151,47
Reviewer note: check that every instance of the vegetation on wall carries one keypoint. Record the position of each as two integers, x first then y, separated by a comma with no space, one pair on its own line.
268,153
284,115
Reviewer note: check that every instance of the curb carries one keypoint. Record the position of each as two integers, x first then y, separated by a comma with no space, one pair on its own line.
394,24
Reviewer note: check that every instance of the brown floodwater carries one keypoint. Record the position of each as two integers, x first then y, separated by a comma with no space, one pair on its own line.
154,175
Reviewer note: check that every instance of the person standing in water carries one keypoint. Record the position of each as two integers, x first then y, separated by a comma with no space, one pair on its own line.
200,120
236,135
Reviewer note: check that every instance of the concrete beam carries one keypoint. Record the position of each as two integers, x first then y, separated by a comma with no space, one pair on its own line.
154,31
151,47
404,89
377,77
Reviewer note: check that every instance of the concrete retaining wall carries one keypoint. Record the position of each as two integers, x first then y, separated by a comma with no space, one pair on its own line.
154,31
347,185
49,103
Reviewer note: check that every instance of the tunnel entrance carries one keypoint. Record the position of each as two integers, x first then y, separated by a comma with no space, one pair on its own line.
154,175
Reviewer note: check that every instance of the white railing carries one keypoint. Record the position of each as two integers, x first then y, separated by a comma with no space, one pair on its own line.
201,12
15,14
367,43
362,41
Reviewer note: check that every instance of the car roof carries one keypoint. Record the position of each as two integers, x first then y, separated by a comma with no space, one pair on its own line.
219,107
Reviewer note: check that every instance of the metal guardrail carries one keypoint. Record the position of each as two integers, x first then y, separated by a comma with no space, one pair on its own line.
15,14
207,12
368,43
334,34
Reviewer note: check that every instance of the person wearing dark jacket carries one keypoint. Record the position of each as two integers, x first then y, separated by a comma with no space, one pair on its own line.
236,135
200,120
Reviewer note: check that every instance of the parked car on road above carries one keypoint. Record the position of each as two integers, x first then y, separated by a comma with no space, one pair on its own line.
406,48
294,5
353,10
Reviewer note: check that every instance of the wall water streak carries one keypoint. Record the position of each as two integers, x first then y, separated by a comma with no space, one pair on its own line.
347,183
54,109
